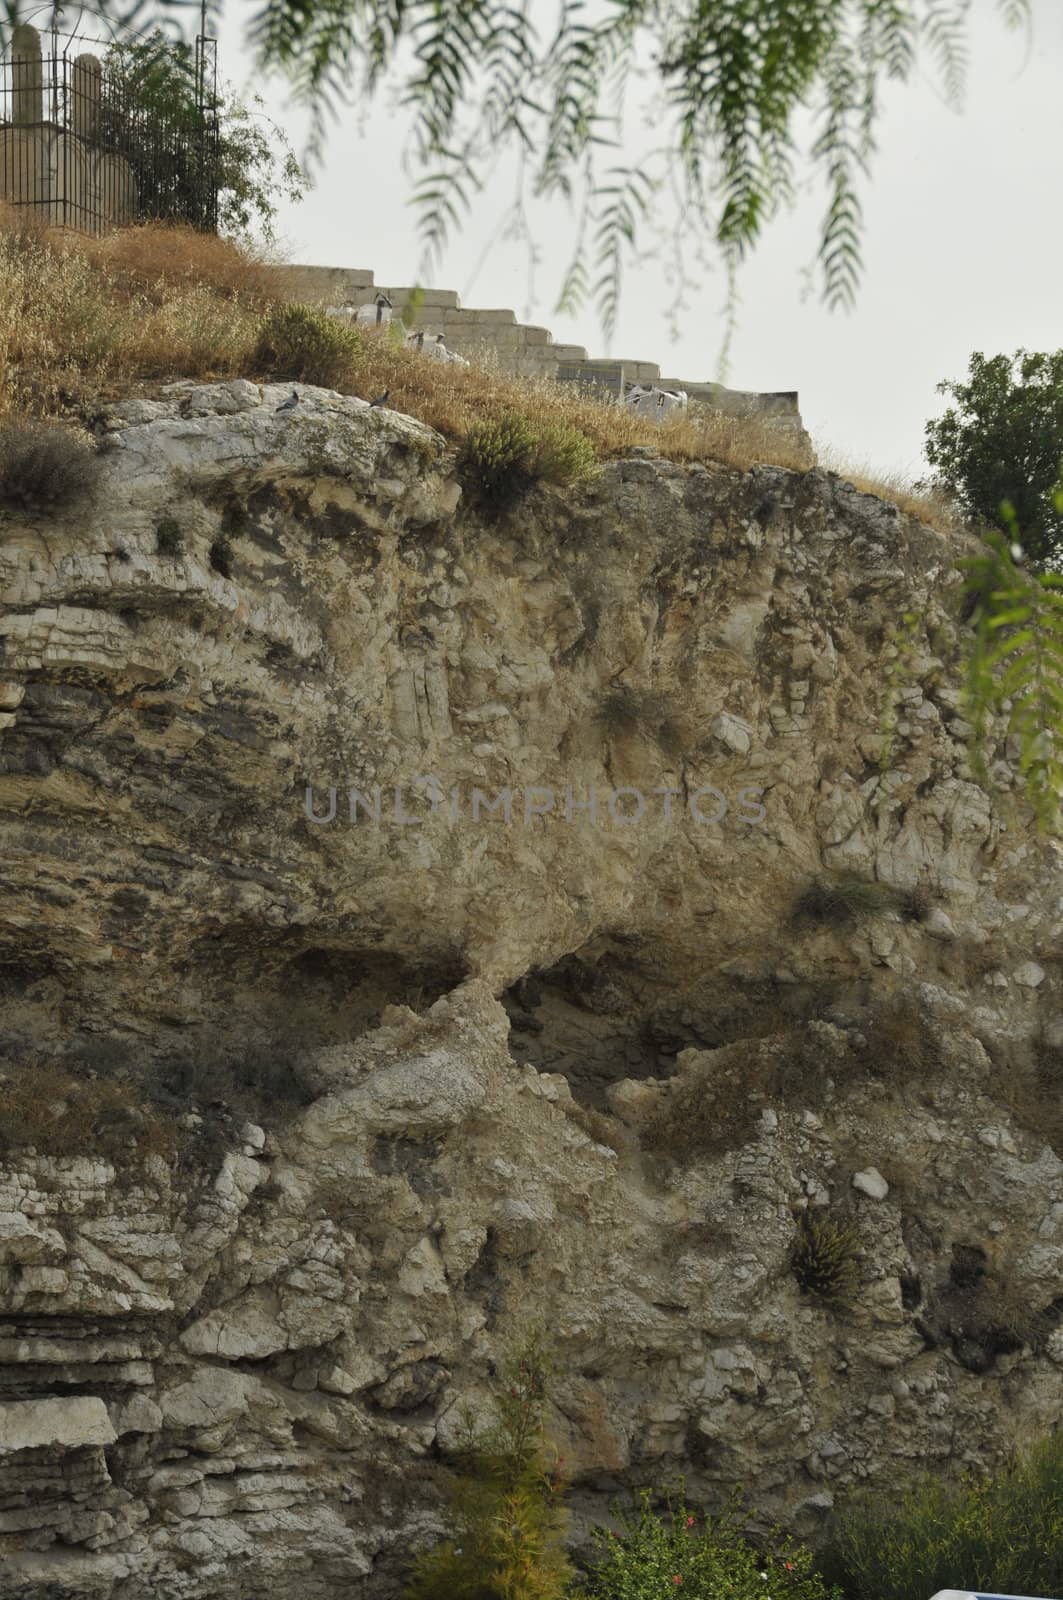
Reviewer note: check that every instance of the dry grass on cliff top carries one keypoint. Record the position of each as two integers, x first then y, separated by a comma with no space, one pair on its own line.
85,321
933,509
453,399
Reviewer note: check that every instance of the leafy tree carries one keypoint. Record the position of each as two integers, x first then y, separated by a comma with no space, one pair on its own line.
1002,443
1015,667
190,152
728,80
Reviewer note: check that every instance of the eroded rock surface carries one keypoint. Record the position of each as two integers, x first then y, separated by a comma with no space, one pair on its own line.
575,1055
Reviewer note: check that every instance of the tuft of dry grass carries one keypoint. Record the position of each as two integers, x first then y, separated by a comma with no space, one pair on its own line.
46,466
58,1113
933,509
841,901
714,1104
597,1126
157,256
1034,1094
900,1038
85,319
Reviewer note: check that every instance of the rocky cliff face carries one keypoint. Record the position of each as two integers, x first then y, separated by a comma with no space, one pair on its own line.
531,938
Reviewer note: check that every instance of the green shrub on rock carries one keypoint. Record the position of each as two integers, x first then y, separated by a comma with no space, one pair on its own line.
301,343
562,453
505,457
696,1558
169,540
1001,1534
45,466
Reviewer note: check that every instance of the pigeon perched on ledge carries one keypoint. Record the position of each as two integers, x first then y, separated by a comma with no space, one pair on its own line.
289,404
380,400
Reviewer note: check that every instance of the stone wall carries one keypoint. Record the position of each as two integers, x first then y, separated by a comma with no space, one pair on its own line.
525,350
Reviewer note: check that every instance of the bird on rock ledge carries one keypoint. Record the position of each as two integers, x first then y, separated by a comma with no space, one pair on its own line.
380,400
289,404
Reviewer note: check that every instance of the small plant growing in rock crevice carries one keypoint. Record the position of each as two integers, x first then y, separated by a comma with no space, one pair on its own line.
624,709
169,540
221,555
825,1258
839,902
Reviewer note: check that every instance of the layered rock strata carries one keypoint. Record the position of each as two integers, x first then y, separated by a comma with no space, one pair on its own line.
515,838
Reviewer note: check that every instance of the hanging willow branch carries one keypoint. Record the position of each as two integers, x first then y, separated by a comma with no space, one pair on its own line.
726,80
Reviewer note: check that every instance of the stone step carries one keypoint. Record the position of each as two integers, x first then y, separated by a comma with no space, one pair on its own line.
525,349
430,300
629,367
327,285
494,318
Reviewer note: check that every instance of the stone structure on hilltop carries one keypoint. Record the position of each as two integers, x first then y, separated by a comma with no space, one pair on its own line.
524,351
81,151
56,165
590,1056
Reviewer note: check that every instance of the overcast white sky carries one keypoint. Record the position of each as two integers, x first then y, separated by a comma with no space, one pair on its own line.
962,246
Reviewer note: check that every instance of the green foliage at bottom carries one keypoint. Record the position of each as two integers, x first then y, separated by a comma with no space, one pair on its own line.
506,1503
1003,1534
696,1558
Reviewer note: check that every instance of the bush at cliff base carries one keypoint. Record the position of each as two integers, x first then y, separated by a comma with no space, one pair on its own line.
506,1513
648,1556
1002,1533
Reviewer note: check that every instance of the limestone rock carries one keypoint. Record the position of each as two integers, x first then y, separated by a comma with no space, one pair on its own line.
67,1424
462,1038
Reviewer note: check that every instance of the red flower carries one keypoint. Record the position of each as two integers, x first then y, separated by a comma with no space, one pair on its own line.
690,1522
789,1566
677,1579
513,1391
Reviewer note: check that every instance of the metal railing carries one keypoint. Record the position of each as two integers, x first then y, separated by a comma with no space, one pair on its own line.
84,144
